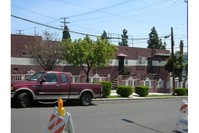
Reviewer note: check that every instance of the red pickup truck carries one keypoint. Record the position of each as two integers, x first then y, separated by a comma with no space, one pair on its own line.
51,85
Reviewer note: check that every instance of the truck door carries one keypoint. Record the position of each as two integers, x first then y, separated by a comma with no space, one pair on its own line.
64,85
49,89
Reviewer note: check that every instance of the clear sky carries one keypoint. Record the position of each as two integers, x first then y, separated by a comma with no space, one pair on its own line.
94,16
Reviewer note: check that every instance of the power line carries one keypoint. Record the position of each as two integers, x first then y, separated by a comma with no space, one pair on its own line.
177,47
147,6
81,33
33,12
99,10
19,32
60,28
64,22
102,10
119,14
52,26
35,22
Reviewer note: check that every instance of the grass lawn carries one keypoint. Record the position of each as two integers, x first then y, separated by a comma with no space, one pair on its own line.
114,96
159,95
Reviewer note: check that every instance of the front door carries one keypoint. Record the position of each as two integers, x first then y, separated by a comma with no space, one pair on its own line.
121,64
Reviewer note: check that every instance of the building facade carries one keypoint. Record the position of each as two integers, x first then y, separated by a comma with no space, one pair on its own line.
137,63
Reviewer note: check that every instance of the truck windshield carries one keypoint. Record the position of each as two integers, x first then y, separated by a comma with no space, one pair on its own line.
36,76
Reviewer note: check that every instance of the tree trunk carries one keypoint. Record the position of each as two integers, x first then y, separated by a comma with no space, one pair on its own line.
87,78
86,72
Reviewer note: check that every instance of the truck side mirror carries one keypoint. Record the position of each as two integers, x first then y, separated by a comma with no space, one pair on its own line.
42,80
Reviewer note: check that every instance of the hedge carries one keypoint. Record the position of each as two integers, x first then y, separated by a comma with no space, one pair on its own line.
124,91
142,90
181,91
106,88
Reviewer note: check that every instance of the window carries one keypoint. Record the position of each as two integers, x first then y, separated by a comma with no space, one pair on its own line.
25,54
126,60
51,77
63,78
16,70
36,76
141,60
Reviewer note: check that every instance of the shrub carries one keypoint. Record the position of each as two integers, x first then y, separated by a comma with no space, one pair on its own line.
186,91
181,91
106,88
124,91
142,90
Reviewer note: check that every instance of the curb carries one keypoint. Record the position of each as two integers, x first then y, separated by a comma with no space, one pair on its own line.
140,98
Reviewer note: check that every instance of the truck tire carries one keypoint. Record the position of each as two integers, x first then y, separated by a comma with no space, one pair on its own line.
23,100
86,99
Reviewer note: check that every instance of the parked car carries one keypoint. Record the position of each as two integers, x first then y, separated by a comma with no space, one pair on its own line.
51,85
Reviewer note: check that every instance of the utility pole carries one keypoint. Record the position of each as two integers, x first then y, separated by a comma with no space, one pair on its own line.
172,56
19,32
186,1
110,36
64,22
66,33
35,31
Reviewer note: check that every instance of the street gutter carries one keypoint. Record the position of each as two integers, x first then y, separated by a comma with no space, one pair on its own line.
140,98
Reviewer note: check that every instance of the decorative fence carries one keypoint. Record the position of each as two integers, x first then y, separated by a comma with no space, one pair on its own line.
183,84
154,85
130,82
22,76
75,78
96,77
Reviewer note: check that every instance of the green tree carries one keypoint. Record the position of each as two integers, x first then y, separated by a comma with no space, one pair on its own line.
104,35
181,46
154,41
88,53
178,65
164,46
124,38
66,33
46,51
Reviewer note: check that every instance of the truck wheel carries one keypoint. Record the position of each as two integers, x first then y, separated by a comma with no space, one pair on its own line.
86,99
23,100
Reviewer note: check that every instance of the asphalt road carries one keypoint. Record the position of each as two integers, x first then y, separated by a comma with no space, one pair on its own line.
125,116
